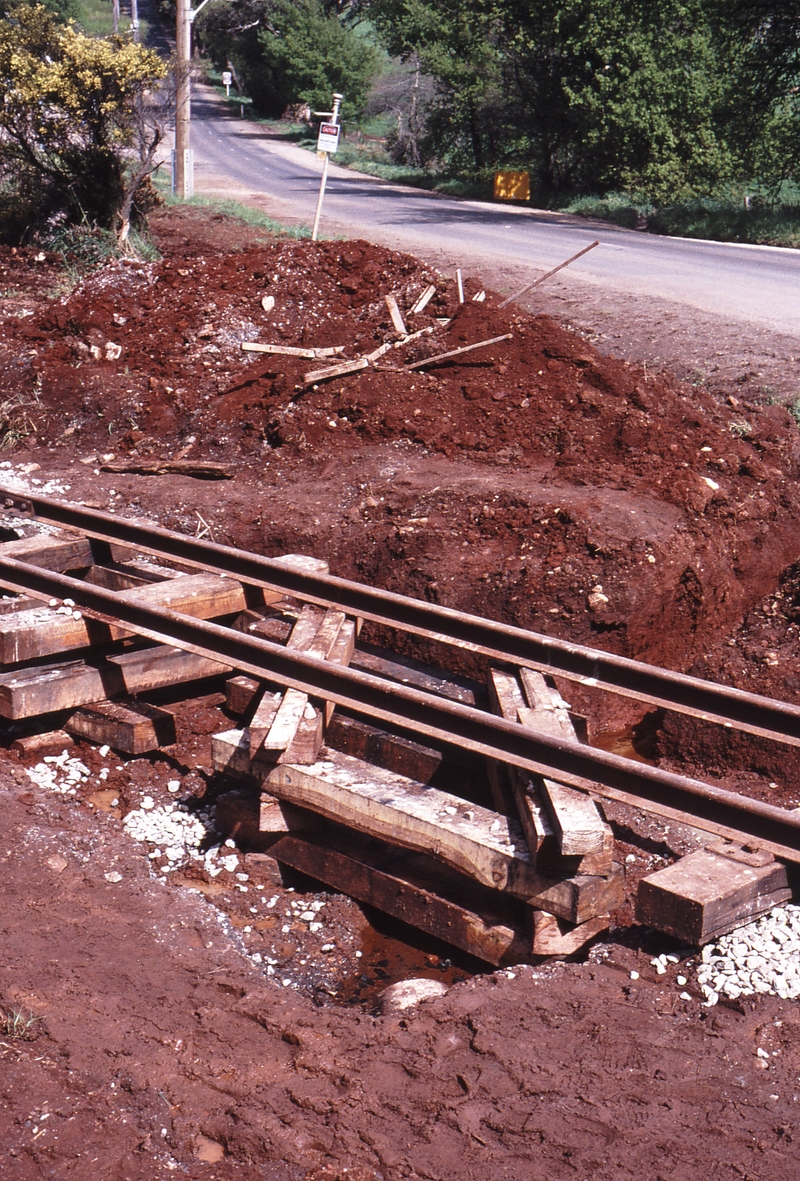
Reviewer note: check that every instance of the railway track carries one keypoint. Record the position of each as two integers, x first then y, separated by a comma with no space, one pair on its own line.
600,772
591,667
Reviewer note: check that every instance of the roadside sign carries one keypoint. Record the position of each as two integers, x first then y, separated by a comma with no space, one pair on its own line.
328,140
512,186
227,78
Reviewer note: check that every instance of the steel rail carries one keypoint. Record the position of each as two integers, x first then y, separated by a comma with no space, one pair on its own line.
434,717
732,708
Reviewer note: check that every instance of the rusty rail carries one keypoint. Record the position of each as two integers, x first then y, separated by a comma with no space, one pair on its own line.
446,721
733,708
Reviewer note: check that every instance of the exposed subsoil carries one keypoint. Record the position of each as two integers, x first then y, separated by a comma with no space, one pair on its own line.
537,481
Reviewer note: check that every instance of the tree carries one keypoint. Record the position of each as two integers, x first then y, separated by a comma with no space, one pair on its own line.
286,52
669,100
77,133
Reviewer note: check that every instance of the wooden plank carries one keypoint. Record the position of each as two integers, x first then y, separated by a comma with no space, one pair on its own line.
199,469
396,316
524,788
161,666
285,722
44,631
496,943
305,630
288,350
705,895
128,726
261,722
327,634
551,939
481,344
28,692
239,693
284,714
35,745
575,819
9,603
119,576
336,371
305,746
52,552
392,667
475,841
372,745
424,300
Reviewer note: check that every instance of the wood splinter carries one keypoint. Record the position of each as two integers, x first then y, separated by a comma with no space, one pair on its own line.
468,348
395,313
335,371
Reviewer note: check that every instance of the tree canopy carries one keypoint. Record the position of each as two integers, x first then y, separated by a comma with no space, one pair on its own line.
673,99
288,52
76,137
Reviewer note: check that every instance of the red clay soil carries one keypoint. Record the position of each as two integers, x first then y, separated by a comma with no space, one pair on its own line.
536,481
558,470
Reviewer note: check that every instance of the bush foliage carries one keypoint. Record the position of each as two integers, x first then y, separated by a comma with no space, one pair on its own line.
77,138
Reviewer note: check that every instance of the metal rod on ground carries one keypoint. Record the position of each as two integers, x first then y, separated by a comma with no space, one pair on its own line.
460,287
777,720
334,117
555,270
435,717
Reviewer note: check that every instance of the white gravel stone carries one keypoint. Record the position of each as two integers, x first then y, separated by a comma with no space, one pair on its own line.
762,957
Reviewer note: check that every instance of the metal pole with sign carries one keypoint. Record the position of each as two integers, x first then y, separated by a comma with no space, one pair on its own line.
327,142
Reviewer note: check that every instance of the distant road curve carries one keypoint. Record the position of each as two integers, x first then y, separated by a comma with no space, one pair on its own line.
753,284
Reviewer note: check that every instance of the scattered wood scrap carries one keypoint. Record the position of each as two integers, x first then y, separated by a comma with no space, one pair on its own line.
285,350
467,348
424,300
396,315
198,469
335,371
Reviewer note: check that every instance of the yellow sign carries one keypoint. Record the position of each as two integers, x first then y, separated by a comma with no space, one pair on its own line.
512,186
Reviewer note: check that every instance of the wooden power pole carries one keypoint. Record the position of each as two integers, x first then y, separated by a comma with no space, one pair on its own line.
183,173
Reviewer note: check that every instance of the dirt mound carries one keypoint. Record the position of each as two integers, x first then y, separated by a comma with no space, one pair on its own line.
535,479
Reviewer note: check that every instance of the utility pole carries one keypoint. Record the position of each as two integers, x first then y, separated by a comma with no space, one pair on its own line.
328,142
183,169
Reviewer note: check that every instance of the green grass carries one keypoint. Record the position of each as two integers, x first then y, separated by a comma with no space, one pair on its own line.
234,210
723,220
96,19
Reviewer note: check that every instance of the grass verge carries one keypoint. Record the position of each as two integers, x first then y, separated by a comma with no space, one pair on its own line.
763,224
233,209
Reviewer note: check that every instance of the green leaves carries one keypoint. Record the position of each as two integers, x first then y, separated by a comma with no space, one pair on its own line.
71,117
288,52
598,95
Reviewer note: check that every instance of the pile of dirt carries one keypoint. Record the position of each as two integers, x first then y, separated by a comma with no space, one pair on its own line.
187,1025
535,480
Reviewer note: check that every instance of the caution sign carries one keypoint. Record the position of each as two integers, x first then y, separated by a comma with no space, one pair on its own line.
328,140
512,186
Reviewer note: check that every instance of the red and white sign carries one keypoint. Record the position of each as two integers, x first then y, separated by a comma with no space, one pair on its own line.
328,140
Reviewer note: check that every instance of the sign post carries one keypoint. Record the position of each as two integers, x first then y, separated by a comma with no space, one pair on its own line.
227,78
327,142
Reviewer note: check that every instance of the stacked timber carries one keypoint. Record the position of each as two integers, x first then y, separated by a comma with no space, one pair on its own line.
367,810
359,812
55,659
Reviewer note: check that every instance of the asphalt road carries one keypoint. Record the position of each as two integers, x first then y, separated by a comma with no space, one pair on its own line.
753,284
